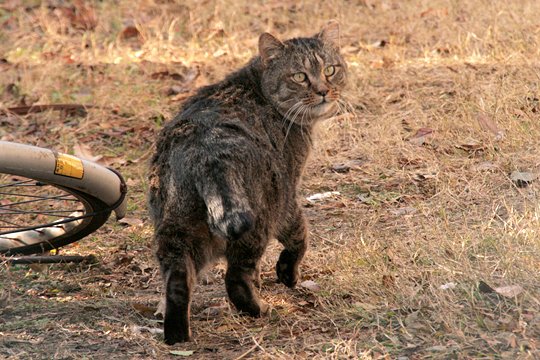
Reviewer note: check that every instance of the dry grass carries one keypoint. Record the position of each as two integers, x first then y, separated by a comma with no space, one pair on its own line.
413,214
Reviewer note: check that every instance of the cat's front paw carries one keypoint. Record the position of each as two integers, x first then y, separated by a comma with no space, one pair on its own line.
287,269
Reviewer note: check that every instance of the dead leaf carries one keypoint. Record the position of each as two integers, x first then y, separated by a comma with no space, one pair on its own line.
404,211
182,352
160,311
213,311
413,322
347,166
219,53
131,221
5,298
522,179
112,160
165,74
422,176
450,285
471,145
491,342
83,151
421,135
377,44
130,32
310,285
509,291
389,281
485,166
145,310
437,348
81,15
489,125
139,329
383,63
321,196
77,109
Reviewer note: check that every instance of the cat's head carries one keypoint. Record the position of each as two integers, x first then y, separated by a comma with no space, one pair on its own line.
304,77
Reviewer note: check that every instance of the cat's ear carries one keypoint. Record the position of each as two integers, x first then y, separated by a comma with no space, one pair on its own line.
330,34
269,47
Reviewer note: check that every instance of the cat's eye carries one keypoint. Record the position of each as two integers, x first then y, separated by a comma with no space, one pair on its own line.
299,77
329,70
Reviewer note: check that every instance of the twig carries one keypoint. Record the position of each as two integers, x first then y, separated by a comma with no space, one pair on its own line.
252,348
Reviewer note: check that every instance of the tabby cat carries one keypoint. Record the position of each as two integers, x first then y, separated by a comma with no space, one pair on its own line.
225,173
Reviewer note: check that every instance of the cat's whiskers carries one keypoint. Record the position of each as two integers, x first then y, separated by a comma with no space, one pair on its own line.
292,120
290,111
306,111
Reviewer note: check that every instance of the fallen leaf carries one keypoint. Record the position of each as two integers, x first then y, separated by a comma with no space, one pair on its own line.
213,311
490,341
389,281
450,285
413,322
365,306
437,348
130,31
69,108
80,15
509,291
145,310
310,285
383,63
421,135
522,179
422,176
131,221
485,166
182,352
219,53
321,196
379,44
139,329
83,151
165,74
489,125
471,145
340,168
112,160
347,166
160,311
404,211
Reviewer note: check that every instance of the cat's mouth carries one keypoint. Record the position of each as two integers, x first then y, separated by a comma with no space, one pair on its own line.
323,107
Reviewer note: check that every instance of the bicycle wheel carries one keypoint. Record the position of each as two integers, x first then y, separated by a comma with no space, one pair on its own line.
49,199
36,217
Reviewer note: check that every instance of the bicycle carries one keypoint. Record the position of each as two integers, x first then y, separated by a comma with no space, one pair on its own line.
50,199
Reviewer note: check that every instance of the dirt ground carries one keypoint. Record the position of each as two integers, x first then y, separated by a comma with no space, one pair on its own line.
428,249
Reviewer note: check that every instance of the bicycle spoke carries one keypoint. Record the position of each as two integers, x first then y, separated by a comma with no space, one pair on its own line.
25,202
17,183
34,196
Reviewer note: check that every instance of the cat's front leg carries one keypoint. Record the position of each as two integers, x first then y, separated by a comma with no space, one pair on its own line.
294,238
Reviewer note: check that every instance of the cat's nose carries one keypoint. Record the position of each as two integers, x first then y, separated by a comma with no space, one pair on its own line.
322,92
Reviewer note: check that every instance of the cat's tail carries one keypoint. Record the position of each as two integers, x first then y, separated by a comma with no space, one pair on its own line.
229,213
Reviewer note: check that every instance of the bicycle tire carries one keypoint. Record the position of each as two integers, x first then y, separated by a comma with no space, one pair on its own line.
99,211
98,189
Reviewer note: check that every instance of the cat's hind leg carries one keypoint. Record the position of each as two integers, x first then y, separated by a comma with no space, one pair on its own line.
294,237
179,275
242,277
